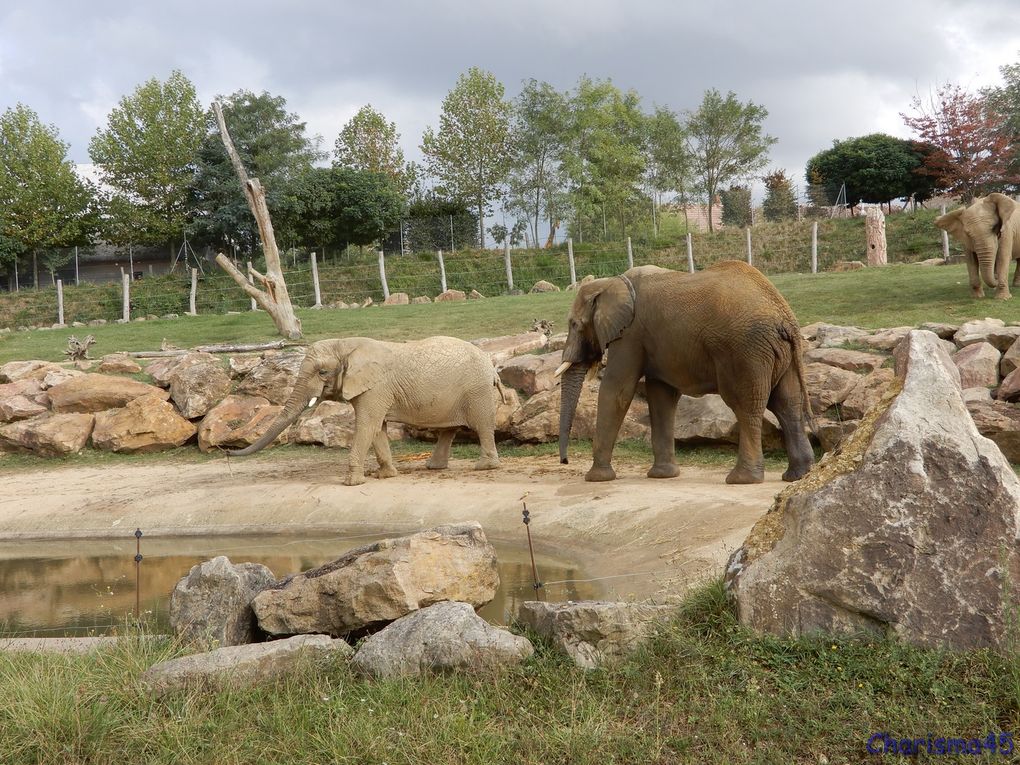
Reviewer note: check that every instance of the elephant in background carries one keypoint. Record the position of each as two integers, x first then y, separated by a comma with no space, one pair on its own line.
989,230
438,382
723,330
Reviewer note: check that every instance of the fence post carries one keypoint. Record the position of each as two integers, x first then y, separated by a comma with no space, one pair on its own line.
570,260
630,253
60,302
125,280
315,282
442,270
690,253
945,240
16,287
748,230
194,292
251,280
382,276
509,270
76,265
814,247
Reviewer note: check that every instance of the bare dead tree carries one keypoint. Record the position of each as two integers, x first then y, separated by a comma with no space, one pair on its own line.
275,299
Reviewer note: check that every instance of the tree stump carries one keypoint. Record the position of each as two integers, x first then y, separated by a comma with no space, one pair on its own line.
874,228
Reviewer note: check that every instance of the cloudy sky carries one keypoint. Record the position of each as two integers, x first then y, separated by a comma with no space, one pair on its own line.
823,70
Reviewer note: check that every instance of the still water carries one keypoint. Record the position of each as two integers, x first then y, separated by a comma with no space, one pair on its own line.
88,587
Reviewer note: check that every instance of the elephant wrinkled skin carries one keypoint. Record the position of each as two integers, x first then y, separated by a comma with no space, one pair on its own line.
439,382
989,231
724,330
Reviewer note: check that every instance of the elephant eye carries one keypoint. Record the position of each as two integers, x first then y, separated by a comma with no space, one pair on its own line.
323,372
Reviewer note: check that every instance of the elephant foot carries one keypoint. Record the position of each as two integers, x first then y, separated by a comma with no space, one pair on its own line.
795,474
386,472
669,470
600,474
743,475
487,463
977,293
354,479
437,464
1002,295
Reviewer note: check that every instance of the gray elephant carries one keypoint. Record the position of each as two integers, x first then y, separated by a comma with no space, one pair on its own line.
989,231
440,382
724,330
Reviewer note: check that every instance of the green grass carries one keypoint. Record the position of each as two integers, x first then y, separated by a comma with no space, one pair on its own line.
702,690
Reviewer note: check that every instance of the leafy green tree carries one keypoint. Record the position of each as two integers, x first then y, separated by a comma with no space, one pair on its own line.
605,153
669,162
1004,100
342,206
780,198
274,148
726,141
537,182
369,143
43,202
470,153
146,155
435,222
736,206
876,168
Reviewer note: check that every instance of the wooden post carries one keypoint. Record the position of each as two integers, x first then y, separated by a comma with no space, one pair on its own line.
60,301
630,252
125,281
251,281
442,271
874,228
690,253
315,282
76,265
749,259
509,270
570,260
814,247
194,292
382,275
945,240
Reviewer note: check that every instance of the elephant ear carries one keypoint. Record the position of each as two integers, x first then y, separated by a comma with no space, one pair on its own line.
1004,206
952,223
364,368
612,310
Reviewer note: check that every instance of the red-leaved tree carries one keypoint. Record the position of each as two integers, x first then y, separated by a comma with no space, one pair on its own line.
975,151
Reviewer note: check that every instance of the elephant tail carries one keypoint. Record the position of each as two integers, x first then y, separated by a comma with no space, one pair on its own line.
790,331
503,395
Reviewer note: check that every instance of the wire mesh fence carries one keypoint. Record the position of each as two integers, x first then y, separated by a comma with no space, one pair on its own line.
356,275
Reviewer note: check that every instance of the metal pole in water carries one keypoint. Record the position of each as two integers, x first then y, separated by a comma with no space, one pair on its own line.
534,569
138,573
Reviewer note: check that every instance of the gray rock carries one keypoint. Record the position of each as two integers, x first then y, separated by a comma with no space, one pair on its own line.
531,373
999,421
993,331
162,370
833,335
868,391
212,604
380,582
241,666
852,361
543,286
50,435
196,388
592,632
944,331
885,339
443,637
910,531
976,394
1010,359
273,377
828,385
978,364
832,433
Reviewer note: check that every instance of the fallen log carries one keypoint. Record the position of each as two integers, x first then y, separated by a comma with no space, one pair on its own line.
220,348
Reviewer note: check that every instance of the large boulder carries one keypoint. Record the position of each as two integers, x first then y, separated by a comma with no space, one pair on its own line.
834,336
978,364
531,373
242,666
999,421
118,364
447,636
591,632
380,582
853,361
1010,361
14,408
543,286
868,392
196,388
273,377
162,370
146,424
704,419
330,423
236,422
397,298
212,604
538,419
13,371
95,392
50,435
885,339
828,385
450,296
502,348
1009,389
911,530
57,376
991,331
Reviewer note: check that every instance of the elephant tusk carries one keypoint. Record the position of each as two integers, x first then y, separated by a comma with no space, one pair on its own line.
312,401
562,368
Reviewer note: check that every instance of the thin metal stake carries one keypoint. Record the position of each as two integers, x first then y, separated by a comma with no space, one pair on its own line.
534,569
138,573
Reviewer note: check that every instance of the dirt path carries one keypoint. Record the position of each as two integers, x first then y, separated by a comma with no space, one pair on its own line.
650,537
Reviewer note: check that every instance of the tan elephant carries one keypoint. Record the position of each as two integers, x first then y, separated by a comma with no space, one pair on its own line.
723,330
989,231
440,382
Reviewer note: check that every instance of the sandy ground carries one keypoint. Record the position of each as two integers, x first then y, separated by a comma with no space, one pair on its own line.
644,537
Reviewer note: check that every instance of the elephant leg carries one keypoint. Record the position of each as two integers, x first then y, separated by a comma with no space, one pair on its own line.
487,440
1016,273
381,445
976,288
787,404
367,425
1002,272
662,399
441,454
744,389
615,394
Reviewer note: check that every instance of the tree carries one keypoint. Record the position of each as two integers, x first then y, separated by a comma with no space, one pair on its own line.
342,206
726,142
1004,100
369,143
876,168
146,155
736,206
273,147
669,162
43,202
780,199
470,153
975,155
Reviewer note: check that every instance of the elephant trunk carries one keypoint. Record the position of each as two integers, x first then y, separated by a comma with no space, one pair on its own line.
295,405
985,255
570,393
